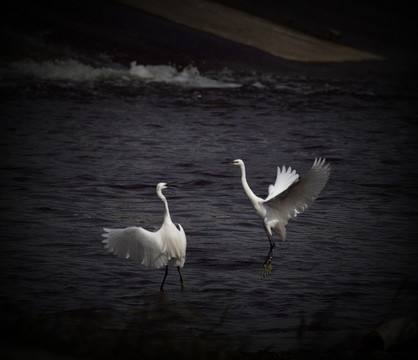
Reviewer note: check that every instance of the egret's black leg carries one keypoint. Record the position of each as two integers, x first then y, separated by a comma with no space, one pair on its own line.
269,257
165,276
181,279
270,237
267,263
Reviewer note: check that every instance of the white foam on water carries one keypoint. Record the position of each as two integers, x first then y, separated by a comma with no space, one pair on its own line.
74,70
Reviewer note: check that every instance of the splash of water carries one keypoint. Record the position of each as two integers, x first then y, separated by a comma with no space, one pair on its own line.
74,70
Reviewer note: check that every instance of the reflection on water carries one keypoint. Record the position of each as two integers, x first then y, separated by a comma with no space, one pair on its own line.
81,156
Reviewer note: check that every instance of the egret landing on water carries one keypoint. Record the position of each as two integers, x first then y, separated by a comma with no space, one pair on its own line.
165,247
288,197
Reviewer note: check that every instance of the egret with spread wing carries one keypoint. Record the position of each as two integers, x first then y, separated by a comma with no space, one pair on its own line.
289,196
165,247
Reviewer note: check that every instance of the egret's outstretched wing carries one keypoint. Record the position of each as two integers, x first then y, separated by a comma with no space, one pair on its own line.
138,244
297,198
285,178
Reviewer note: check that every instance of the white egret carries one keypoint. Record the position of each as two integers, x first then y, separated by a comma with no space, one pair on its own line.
289,196
165,247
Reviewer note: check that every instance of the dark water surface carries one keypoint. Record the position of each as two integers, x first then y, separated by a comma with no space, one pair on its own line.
84,142
79,156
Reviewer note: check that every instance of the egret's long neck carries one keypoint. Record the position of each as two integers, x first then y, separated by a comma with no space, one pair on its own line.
253,198
167,211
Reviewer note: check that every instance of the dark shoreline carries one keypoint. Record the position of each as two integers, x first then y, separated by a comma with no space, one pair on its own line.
85,334
90,28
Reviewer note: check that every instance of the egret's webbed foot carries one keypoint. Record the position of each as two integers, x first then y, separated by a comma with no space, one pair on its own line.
267,267
266,270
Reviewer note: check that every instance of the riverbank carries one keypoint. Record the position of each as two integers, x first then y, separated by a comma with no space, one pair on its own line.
58,29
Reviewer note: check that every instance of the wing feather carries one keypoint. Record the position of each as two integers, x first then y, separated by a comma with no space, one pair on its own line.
136,243
285,178
300,194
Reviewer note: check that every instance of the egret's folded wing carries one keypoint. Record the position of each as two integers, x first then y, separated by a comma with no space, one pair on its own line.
285,178
183,245
299,196
184,240
136,243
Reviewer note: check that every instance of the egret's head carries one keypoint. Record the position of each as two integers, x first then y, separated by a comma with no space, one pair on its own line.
161,186
238,162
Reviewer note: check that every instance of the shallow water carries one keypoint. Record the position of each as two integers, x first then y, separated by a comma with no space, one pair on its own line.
80,155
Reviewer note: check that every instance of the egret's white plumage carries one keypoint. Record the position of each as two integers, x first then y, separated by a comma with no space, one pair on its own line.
289,196
165,247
